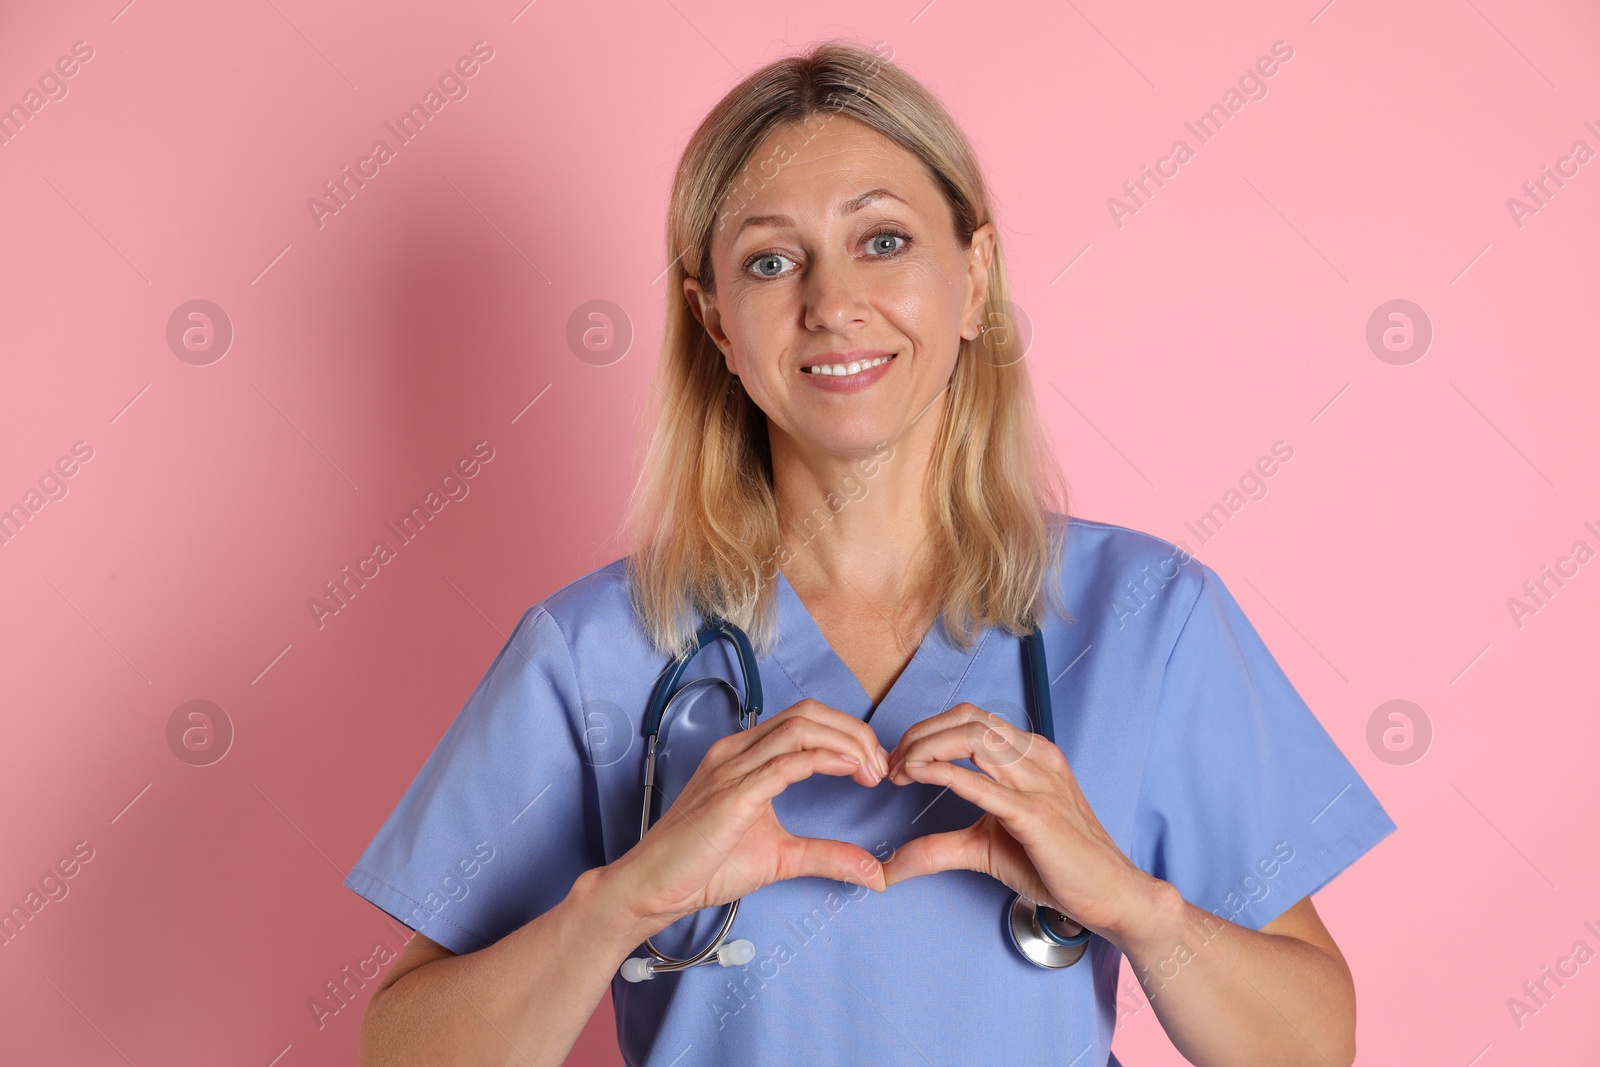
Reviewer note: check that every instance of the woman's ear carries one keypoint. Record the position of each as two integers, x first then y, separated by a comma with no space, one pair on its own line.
980,253
703,306
696,298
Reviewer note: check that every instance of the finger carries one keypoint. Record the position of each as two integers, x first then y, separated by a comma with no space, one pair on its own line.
930,854
738,801
729,810
970,849
964,712
933,724
823,858
761,785
799,732
972,739
820,712
995,747
1001,801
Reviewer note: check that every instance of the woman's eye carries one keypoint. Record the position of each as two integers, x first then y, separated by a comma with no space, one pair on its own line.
771,259
880,242
881,245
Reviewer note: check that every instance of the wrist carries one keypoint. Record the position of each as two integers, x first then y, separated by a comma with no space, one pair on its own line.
1154,916
611,899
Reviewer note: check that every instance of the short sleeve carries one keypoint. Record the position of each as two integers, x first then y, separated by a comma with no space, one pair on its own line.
1246,804
501,819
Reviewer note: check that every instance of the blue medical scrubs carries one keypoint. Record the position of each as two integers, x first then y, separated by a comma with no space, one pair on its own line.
1191,745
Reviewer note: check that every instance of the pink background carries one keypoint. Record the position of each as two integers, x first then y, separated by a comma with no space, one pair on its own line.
1230,312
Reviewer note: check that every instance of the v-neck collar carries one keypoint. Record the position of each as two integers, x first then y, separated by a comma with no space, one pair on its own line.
926,686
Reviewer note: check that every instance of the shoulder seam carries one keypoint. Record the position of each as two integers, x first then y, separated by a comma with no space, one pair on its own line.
1189,615
1155,724
553,594
597,837
572,664
1126,529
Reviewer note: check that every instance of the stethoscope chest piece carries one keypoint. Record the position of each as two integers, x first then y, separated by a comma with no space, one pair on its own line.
1045,936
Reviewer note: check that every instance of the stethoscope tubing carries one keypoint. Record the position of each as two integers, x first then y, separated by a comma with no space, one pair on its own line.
660,700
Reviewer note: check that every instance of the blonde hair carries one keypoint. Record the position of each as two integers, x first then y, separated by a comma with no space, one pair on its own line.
703,517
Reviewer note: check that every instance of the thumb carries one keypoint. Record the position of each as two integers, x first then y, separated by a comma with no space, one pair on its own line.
953,850
840,860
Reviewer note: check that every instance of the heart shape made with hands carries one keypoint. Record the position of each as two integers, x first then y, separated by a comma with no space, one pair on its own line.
926,753
1038,834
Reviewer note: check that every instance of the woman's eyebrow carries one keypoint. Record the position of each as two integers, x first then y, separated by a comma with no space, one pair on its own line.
855,203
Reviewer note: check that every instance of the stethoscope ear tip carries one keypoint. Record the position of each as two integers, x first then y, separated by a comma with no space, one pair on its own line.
639,969
733,954
736,953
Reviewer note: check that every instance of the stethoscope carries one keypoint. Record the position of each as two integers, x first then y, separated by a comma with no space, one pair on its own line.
1042,934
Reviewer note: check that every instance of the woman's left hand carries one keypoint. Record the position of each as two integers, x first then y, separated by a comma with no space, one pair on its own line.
1038,834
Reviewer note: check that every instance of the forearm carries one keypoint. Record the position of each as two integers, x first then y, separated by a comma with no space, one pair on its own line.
1230,996
523,1000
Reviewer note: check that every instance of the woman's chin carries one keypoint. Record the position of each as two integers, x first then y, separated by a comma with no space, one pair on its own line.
860,442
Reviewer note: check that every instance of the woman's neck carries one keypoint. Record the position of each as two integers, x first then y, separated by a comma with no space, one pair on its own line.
858,521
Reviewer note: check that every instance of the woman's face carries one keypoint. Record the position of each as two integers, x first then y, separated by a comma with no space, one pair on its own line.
837,248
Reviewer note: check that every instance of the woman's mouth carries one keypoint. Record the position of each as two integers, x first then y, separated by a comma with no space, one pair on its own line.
848,376
855,366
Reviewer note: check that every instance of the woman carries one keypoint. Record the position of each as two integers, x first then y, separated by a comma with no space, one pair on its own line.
847,465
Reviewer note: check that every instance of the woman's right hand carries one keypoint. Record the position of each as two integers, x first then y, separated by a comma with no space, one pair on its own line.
720,839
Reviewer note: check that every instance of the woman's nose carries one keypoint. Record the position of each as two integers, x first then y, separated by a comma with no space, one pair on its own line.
834,295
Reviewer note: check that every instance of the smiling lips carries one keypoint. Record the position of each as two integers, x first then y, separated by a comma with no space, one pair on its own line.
849,371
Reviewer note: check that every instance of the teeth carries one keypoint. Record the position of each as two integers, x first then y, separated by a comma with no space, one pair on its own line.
855,367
